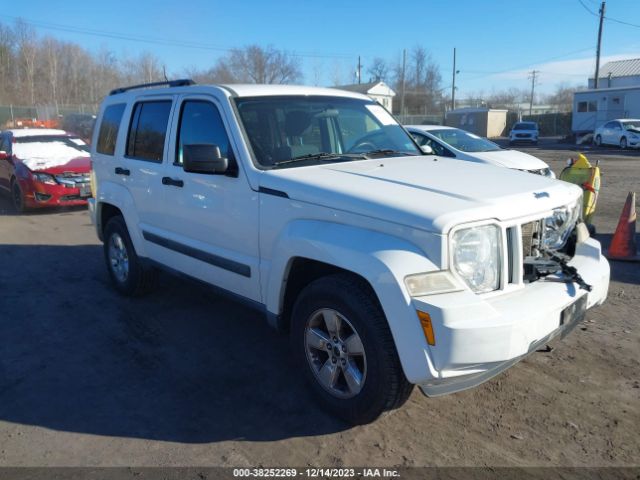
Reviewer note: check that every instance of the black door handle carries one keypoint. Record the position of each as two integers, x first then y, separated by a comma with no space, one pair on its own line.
122,171
172,181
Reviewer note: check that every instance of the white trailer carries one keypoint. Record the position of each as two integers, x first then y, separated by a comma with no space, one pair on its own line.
592,108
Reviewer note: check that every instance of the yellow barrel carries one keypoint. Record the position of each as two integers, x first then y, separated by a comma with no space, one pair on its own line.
583,174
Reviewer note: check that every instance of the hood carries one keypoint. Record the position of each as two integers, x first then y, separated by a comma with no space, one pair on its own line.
48,156
511,159
75,165
428,193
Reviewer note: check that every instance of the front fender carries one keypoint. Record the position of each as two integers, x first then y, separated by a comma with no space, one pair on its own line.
381,259
120,197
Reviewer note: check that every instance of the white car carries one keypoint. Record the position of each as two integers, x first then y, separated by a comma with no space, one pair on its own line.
523,132
459,144
624,132
387,267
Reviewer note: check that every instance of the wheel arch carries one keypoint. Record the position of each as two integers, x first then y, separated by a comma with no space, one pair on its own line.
309,249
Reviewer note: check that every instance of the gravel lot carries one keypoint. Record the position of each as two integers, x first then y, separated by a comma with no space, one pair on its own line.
185,377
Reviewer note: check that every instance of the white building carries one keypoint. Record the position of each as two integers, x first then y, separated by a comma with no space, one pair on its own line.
617,96
622,73
378,91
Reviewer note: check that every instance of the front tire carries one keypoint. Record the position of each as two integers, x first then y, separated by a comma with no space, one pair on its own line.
17,197
623,143
342,339
128,274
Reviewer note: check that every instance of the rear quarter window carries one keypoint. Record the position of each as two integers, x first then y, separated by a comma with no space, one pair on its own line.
108,134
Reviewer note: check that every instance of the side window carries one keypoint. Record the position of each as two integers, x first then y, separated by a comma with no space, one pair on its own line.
109,129
200,123
148,130
610,125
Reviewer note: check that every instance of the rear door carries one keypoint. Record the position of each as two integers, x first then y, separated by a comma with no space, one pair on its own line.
143,162
210,221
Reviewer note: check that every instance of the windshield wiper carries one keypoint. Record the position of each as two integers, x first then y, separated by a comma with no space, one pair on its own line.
385,151
324,156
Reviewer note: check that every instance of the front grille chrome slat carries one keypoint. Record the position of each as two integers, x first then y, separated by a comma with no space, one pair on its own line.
73,180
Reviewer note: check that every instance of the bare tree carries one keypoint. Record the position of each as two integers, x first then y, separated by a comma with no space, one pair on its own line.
255,64
423,92
378,70
562,97
27,51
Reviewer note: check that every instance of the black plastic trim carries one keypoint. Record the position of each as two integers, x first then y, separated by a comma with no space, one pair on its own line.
271,191
210,258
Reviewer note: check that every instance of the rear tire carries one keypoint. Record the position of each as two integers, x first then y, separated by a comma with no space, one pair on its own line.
360,347
128,273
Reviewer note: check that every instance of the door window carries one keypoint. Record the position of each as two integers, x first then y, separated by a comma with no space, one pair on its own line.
148,130
201,123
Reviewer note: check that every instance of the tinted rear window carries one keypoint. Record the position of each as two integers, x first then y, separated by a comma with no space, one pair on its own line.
148,130
109,129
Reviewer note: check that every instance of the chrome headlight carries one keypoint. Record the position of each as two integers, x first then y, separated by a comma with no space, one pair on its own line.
477,254
44,178
560,224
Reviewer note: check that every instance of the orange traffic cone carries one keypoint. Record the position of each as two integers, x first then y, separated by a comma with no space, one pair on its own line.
623,243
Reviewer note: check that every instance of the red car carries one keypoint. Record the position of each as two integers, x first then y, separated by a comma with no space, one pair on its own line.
44,168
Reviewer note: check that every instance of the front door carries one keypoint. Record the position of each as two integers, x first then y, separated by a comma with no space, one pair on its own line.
211,220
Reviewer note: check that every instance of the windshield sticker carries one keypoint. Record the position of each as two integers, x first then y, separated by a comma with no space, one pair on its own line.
381,115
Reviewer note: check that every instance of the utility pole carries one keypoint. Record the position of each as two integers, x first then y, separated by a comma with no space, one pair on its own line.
359,70
595,80
404,71
453,84
533,85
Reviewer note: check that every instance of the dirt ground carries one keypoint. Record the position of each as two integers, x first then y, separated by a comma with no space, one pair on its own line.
185,377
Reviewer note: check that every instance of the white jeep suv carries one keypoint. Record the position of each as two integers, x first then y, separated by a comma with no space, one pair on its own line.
387,268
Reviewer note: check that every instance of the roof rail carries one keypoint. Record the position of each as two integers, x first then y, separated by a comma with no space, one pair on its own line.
183,82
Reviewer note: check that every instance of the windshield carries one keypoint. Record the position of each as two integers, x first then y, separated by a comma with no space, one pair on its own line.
631,125
525,126
309,129
464,141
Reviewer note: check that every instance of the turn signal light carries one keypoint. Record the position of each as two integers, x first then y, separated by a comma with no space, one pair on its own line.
427,327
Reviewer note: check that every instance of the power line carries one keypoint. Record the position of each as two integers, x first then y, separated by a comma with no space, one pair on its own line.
608,18
621,22
153,40
497,72
588,9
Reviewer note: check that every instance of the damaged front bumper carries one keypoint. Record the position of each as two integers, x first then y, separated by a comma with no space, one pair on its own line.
479,337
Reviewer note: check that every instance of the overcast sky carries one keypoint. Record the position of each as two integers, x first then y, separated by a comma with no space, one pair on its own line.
498,42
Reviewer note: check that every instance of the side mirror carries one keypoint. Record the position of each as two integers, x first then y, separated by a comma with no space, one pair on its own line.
4,155
426,149
203,158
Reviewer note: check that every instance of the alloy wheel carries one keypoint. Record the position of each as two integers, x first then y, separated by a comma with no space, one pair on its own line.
335,353
118,258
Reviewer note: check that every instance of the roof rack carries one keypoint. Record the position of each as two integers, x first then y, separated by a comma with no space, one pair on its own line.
183,82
